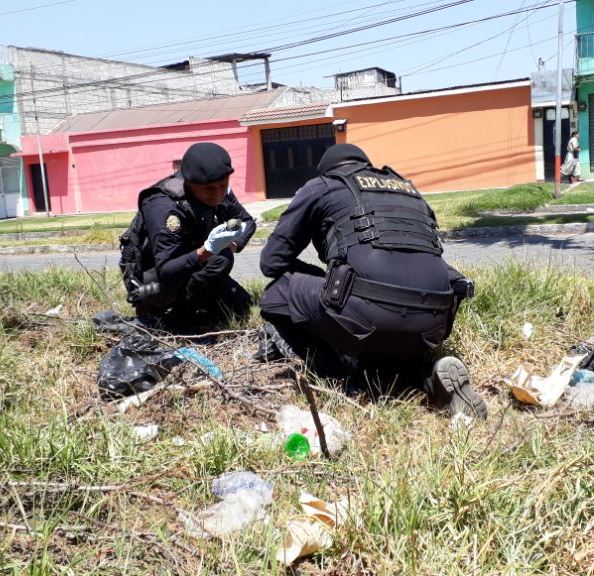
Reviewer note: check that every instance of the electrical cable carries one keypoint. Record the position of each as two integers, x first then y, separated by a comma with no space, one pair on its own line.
164,73
220,39
20,10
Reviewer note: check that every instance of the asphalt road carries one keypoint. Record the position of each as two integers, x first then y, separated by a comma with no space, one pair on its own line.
561,251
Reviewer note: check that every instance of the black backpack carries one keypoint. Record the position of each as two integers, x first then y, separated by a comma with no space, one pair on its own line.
136,256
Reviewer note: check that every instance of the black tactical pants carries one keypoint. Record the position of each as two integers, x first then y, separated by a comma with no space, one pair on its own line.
364,340
210,296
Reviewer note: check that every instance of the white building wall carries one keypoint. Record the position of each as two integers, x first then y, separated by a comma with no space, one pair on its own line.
54,85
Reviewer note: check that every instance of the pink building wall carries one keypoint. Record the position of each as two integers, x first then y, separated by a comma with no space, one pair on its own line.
105,171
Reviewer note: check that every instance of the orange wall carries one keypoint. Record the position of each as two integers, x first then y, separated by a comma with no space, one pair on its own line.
444,142
474,140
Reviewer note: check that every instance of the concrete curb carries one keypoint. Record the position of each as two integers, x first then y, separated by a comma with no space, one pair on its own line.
526,230
57,249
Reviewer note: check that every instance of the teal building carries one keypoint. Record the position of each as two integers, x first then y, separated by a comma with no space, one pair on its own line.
584,82
13,196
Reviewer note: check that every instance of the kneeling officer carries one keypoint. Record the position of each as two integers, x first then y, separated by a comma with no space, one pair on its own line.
387,298
179,250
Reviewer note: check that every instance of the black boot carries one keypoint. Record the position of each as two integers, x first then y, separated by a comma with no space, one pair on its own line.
450,383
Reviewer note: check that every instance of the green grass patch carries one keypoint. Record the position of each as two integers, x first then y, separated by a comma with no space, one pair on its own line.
274,214
95,235
464,209
467,208
65,223
262,233
582,194
514,495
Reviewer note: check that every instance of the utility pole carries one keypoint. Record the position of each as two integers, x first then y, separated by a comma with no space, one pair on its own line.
40,148
558,122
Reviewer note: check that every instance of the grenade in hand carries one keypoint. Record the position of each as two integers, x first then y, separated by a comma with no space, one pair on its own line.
233,224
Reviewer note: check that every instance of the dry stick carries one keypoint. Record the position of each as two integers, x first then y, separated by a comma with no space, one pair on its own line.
210,334
304,386
23,528
218,381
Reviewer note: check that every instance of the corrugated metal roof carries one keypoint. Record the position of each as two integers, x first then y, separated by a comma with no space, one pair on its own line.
227,107
316,110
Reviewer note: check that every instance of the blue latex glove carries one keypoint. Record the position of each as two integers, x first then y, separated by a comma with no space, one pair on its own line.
221,238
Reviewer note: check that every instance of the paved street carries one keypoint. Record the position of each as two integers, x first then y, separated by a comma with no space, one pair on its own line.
563,251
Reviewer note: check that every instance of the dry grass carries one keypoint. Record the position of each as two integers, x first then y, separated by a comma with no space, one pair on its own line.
512,496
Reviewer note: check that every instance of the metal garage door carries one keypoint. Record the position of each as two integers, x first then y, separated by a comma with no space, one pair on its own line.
291,156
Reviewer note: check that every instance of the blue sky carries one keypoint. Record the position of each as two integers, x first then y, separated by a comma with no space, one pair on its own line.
163,32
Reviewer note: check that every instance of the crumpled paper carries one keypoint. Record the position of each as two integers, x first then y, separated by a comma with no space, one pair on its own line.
311,532
538,391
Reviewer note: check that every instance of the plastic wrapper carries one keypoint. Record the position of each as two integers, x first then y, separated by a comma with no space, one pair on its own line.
244,499
292,419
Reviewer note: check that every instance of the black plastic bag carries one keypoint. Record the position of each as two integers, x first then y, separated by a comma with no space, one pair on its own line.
134,365
113,323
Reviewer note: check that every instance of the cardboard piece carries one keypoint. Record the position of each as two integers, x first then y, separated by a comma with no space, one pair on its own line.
538,391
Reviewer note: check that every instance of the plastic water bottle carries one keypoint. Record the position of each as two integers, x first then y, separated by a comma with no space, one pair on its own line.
582,378
200,360
297,446
233,482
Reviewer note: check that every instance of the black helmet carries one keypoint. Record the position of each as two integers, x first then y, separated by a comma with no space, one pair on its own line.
205,162
341,154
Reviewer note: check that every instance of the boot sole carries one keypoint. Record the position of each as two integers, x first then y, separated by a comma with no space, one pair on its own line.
453,377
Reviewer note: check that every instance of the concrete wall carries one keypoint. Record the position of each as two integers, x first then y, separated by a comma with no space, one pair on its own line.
106,170
65,84
444,142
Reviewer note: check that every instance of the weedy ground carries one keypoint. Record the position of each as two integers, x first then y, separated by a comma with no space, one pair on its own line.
78,495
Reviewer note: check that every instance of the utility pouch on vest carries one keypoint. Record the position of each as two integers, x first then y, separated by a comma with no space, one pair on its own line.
338,284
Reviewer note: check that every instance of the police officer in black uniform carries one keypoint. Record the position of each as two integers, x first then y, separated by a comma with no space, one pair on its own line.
387,298
188,251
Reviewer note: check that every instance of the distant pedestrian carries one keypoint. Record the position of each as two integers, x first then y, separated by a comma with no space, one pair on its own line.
572,167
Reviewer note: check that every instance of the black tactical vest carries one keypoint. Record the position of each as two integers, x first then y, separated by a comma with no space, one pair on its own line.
389,214
136,254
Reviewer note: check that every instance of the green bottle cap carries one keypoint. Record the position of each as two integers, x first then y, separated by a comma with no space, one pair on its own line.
297,446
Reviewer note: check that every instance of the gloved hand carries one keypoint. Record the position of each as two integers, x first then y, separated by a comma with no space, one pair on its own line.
221,238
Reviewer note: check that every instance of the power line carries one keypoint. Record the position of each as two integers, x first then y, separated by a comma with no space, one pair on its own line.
254,31
36,7
366,27
95,83
530,9
509,38
296,34
79,88
260,32
484,57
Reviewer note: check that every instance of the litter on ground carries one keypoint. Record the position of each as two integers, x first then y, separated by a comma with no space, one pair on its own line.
538,391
